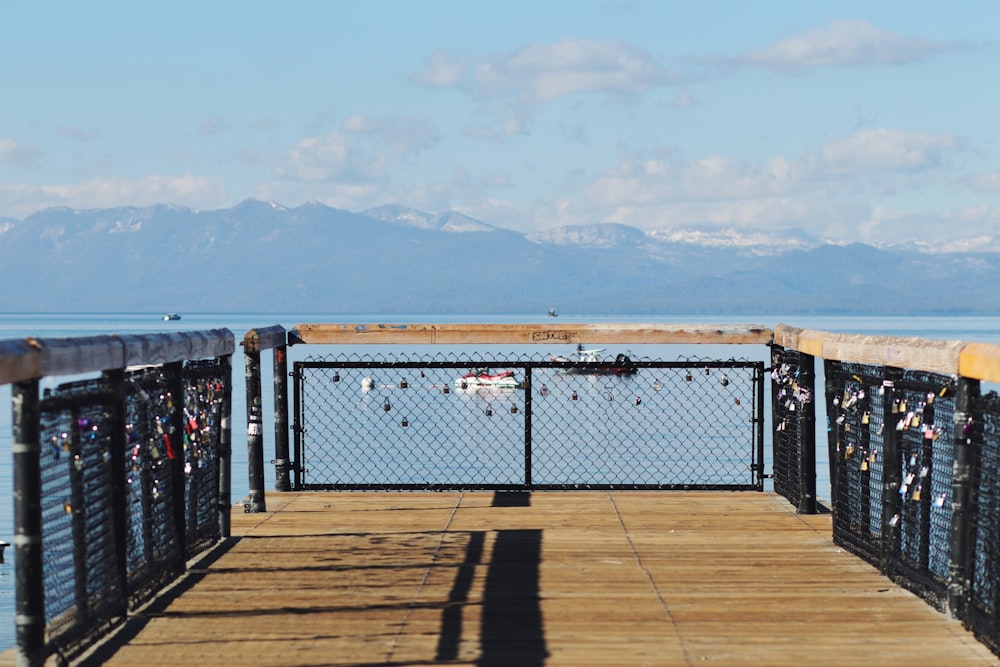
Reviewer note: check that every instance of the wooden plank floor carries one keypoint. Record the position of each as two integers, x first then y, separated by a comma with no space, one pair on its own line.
562,578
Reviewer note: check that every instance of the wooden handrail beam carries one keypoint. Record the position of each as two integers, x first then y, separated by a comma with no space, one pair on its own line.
519,334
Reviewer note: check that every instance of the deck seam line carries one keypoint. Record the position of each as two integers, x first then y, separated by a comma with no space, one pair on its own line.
423,581
652,582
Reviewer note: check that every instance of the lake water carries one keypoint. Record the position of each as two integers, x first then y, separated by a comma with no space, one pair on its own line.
20,325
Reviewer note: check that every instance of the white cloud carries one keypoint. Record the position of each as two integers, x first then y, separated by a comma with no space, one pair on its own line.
514,84
819,189
17,154
404,134
986,182
884,150
853,42
78,133
212,125
327,158
184,190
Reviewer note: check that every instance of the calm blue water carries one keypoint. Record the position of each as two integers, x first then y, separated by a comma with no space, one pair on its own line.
20,325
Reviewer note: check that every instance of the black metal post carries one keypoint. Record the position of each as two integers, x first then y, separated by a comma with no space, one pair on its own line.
281,481
77,509
528,385
29,617
891,472
833,437
807,433
255,433
959,575
174,373
758,380
225,453
297,426
117,444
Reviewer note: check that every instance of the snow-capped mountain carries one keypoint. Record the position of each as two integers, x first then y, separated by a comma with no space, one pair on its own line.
264,257
448,221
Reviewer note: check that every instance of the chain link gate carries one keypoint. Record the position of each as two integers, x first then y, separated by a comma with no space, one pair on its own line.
513,424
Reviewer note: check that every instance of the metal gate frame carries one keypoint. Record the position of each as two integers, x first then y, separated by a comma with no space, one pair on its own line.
755,464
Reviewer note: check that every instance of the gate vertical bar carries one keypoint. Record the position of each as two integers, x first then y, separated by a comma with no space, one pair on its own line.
807,433
225,453
833,437
297,426
29,616
281,481
255,432
528,386
959,565
758,375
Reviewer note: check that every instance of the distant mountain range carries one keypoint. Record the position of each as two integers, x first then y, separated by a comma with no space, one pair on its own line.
261,256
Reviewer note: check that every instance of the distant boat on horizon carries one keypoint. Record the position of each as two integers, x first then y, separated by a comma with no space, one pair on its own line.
171,316
553,313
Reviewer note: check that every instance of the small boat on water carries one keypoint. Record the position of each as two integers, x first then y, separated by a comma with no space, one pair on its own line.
553,313
482,379
622,364
171,316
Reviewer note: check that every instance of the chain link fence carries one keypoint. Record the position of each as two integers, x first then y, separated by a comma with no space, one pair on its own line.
129,489
891,447
793,415
983,610
446,422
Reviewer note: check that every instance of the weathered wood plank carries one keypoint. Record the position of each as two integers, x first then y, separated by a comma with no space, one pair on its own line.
90,354
265,338
574,578
165,348
19,361
980,361
591,334
925,354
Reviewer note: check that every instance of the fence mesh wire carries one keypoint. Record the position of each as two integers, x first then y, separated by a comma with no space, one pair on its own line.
128,490
204,393
447,422
891,452
789,400
83,587
984,589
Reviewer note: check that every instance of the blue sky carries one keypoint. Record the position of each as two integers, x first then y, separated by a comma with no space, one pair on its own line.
853,121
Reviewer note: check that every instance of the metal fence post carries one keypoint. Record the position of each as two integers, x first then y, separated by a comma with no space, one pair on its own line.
833,436
175,451
961,523
281,480
225,453
891,472
29,616
255,432
807,433
118,442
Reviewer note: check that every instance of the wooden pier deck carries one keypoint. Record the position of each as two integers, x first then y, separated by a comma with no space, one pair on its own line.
560,578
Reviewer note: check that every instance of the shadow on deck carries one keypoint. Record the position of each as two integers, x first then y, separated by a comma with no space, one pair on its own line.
574,578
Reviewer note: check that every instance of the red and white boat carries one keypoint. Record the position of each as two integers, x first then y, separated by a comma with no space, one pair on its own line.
481,379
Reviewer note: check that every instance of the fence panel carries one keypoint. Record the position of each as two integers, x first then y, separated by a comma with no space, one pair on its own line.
448,423
891,455
983,608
